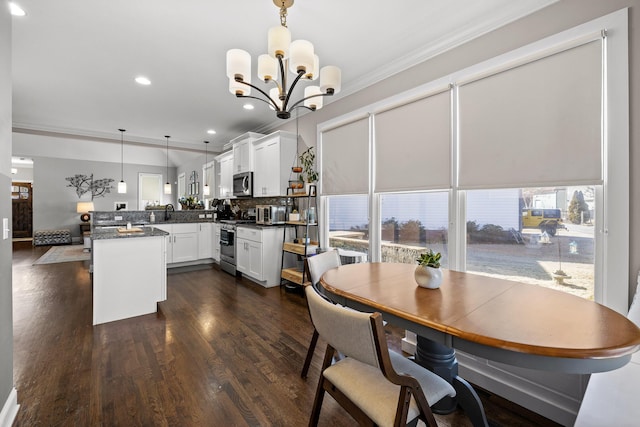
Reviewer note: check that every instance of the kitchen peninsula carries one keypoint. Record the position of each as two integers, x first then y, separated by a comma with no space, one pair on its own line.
129,272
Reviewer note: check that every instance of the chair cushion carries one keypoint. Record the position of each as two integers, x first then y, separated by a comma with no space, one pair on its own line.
375,395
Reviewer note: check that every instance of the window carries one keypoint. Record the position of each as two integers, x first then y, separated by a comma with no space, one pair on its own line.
550,244
149,189
349,222
412,223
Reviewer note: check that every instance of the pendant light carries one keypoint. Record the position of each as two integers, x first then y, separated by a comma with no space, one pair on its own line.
205,190
167,185
122,186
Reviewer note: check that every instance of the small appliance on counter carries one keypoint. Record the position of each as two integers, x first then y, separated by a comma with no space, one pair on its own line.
221,209
271,214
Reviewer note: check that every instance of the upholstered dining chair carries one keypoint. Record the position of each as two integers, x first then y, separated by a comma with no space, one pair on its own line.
375,385
318,264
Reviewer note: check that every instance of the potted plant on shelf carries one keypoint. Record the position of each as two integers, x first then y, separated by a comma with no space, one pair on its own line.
428,273
309,175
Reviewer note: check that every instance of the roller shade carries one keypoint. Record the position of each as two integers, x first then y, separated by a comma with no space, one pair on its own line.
345,159
538,124
413,145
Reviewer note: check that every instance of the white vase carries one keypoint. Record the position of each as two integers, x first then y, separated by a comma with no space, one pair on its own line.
428,277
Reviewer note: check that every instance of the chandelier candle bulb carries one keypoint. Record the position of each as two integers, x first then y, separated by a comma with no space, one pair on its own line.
279,40
330,77
267,68
315,103
315,72
301,56
239,64
238,88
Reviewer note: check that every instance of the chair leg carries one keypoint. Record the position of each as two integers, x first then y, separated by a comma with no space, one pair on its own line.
317,402
307,360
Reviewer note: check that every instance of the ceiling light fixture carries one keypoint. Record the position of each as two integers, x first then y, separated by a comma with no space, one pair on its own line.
143,81
167,185
16,10
205,190
211,132
283,54
122,186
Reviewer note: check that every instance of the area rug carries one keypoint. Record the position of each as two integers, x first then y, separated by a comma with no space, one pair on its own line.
64,254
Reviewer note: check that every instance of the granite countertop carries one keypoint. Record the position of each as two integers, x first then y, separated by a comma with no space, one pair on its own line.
113,233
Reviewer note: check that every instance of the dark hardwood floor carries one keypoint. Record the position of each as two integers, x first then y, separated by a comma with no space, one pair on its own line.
220,351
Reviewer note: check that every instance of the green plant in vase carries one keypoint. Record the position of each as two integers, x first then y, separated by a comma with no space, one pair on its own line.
428,273
307,160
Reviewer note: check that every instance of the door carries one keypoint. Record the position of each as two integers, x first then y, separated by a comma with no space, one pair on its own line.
22,209
255,259
205,249
242,256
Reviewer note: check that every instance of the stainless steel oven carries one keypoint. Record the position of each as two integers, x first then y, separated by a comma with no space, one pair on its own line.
228,248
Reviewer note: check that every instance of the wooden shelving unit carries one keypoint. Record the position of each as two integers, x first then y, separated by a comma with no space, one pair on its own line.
299,276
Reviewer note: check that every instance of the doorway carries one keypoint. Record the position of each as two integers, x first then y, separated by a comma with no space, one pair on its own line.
22,209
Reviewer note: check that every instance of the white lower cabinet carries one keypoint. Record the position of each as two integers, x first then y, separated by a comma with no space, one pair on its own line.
205,234
182,242
259,254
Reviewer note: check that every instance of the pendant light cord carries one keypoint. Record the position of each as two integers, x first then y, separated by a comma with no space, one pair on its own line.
122,131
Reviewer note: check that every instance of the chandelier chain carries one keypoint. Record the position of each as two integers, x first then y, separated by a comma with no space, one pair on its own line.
283,15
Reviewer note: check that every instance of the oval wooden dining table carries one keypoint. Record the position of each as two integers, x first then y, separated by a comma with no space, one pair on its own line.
505,321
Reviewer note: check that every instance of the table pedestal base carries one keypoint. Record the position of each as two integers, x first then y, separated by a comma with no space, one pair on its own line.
442,361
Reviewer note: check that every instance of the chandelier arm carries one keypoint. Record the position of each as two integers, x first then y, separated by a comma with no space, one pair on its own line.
270,101
283,76
293,85
309,97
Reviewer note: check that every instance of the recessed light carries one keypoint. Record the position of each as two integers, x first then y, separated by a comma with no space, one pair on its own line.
143,80
16,10
211,132
248,106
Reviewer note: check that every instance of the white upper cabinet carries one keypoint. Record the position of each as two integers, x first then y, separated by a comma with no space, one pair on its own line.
243,152
274,155
225,188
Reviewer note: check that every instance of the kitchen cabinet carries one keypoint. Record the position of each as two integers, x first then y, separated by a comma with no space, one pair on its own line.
205,234
274,155
258,254
182,242
225,161
243,152
215,242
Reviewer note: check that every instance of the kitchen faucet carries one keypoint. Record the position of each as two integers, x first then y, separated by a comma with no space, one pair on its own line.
167,208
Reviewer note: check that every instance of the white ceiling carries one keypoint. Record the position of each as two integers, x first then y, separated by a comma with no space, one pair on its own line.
74,61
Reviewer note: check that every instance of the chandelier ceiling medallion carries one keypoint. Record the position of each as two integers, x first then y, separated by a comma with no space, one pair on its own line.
283,56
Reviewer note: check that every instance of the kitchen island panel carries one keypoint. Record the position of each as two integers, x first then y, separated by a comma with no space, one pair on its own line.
129,277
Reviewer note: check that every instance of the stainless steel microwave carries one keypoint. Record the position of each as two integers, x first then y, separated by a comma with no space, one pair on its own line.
243,184
270,214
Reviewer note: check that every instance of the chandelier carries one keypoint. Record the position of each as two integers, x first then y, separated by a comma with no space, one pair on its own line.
283,56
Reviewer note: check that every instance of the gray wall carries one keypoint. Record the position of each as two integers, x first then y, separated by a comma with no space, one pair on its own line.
6,321
54,204
551,20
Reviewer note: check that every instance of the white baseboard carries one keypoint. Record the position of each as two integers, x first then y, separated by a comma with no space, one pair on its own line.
10,409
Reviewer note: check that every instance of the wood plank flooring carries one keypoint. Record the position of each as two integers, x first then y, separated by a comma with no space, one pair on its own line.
221,351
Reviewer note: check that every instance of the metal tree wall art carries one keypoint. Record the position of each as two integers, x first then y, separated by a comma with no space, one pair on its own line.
85,183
